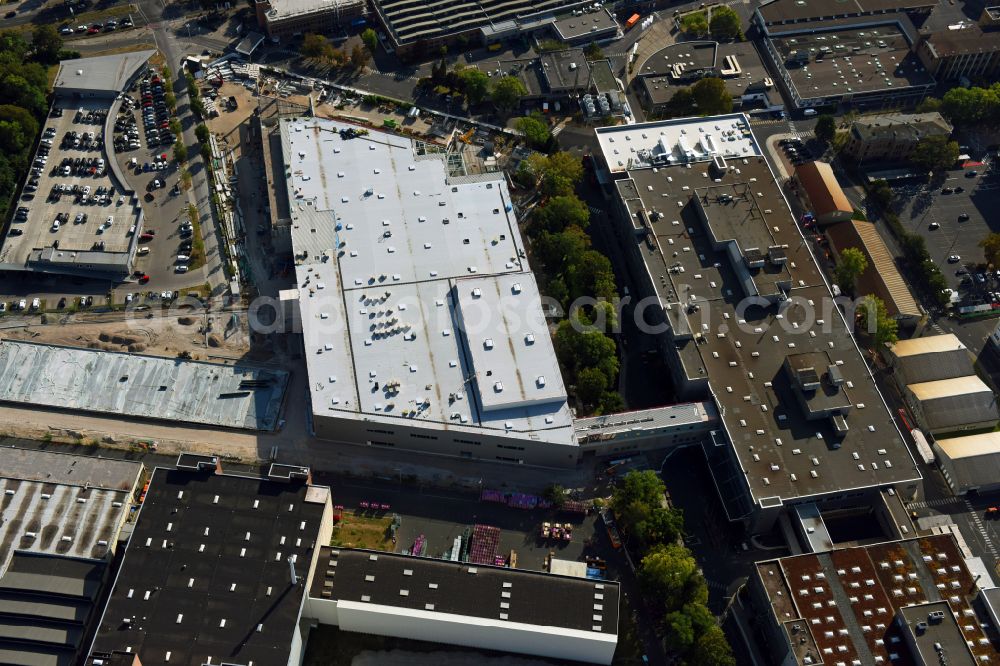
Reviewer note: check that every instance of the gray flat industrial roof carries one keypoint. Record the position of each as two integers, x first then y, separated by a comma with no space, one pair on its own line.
108,74
937,639
743,346
857,61
46,602
598,24
206,571
565,70
133,385
458,588
62,504
780,11
68,469
409,238
281,10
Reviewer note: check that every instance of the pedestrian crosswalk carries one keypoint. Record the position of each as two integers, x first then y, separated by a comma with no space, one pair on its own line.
978,522
929,504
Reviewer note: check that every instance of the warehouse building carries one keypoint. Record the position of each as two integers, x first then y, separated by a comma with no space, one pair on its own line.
862,55
962,52
284,18
484,607
893,137
102,77
217,568
970,463
929,359
822,194
881,277
679,65
887,603
62,516
704,226
137,386
949,405
421,318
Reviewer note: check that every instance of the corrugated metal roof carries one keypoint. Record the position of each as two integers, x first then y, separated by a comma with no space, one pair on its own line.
970,446
822,188
946,388
133,385
931,344
882,274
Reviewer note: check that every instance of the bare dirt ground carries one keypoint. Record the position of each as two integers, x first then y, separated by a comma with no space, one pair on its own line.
212,337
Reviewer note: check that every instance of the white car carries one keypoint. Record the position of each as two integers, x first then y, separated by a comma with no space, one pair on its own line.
35,303
183,258
22,304
143,251
181,269
109,221
121,200
128,298
131,229
3,306
55,226
954,259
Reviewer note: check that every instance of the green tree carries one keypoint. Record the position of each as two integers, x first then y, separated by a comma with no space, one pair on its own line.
46,43
991,249
592,276
711,97
562,212
881,194
590,385
643,487
971,105
712,649
535,129
565,247
929,104
314,46
695,24
611,403
175,127
559,173
170,100
180,152
669,574
203,134
359,57
680,631
475,84
725,23
873,317
585,349
826,128
850,266
370,39
507,92
593,52
935,153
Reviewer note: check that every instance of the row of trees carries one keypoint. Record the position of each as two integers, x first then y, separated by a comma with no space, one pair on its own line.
504,92
668,574
724,24
574,270
322,50
967,105
927,275
23,88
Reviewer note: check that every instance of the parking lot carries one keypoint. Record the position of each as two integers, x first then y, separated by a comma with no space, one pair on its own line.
155,176
71,202
953,217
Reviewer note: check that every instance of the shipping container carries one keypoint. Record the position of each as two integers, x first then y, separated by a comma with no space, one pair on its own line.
631,21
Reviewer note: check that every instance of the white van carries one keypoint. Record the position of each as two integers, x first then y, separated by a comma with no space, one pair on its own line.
809,112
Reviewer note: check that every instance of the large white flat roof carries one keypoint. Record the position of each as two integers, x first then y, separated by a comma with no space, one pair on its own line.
676,141
386,245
